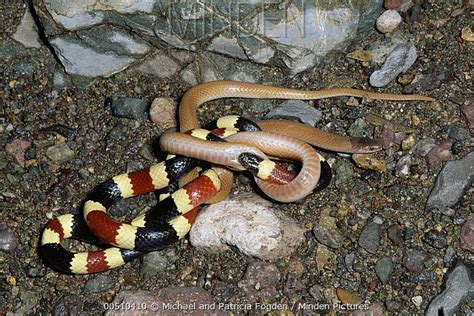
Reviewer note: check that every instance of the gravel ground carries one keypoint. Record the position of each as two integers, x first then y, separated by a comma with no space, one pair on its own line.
394,254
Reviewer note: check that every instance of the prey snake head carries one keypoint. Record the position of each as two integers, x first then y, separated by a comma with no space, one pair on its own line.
366,145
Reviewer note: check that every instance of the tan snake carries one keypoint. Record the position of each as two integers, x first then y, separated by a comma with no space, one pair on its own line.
284,140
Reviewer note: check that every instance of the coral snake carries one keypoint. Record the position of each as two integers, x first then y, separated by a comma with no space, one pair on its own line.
173,216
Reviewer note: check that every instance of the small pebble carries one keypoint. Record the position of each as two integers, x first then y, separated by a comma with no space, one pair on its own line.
387,134
449,255
354,113
457,148
325,258
388,21
361,188
163,112
353,102
8,239
425,277
68,305
370,161
326,232
134,166
406,78
395,234
60,153
316,291
392,4
160,65
417,300
360,128
359,265
146,152
408,142
467,235
369,238
296,267
467,34
344,179
384,268
11,280
27,32
415,13
408,233
36,269
153,263
415,120
424,146
402,169
116,133
83,173
293,285
440,153
399,137
399,60
132,108
260,280
437,239
349,261
348,297
99,283
458,133
414,259
17,149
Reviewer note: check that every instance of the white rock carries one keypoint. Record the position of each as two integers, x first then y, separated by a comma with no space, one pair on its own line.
263,55
83,61
27,32
227,46
129,43
208,69
249,223
126,6
388,21
189,76
60,79
74,15
311,30
399,61
159,65
417,300
203,69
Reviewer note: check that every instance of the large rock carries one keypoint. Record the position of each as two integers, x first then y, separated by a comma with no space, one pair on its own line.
297,34
452,181
249,223
27,32
459,288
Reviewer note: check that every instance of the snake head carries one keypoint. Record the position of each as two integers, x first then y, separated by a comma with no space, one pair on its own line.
363,145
